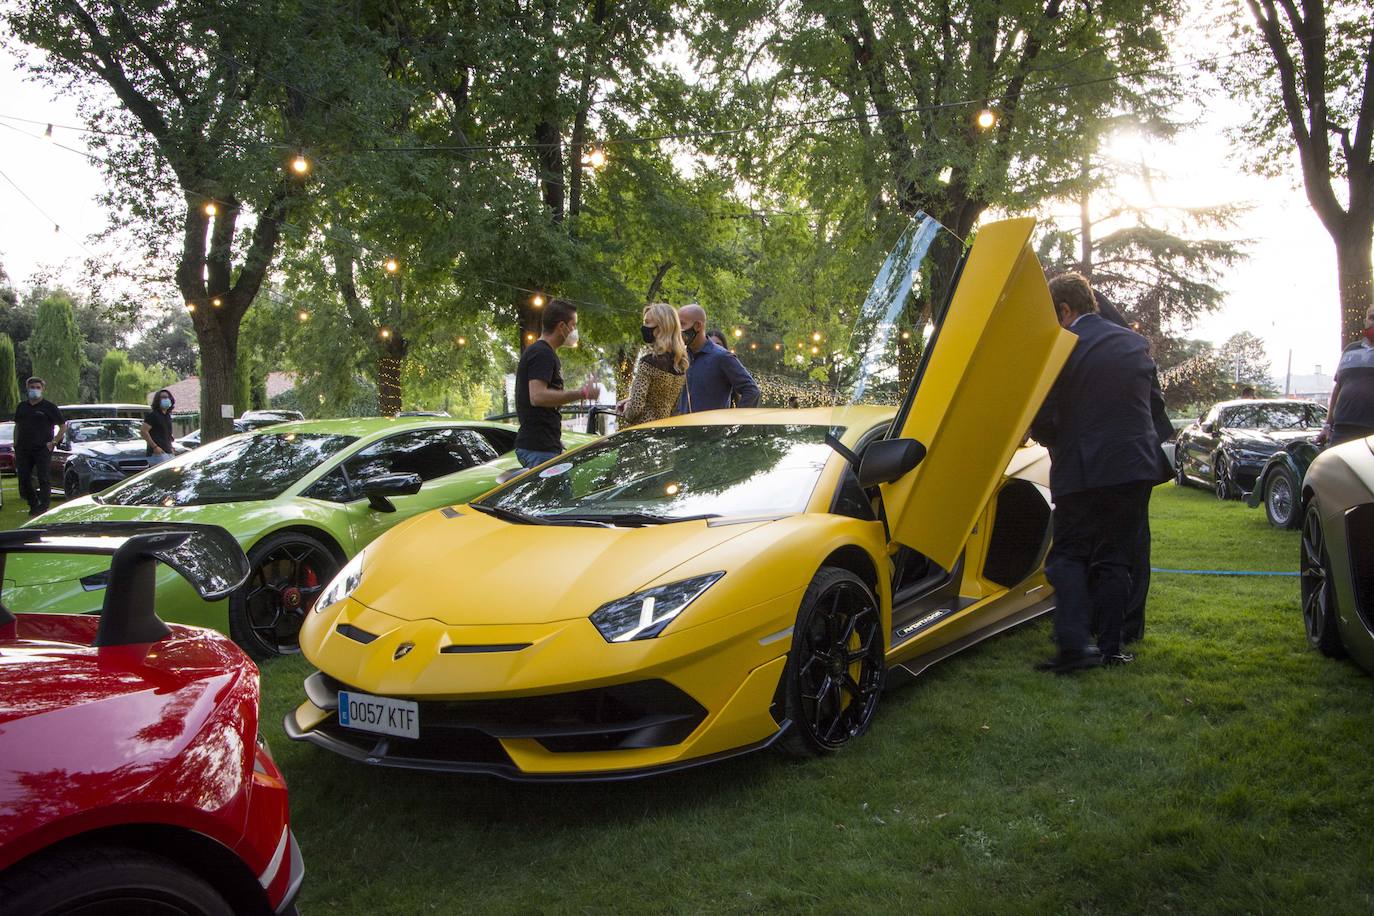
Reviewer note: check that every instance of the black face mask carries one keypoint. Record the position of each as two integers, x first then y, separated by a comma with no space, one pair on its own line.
689,335
647,333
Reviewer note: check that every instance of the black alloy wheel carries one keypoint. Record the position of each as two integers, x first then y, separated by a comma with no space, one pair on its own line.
835,670
1225,485
289,570
108,881
1281,498
1180,476
1318,594
71,485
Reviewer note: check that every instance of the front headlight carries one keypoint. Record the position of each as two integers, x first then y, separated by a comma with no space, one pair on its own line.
643,615
342,585
96,464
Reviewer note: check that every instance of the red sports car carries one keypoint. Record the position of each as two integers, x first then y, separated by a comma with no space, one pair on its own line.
132,775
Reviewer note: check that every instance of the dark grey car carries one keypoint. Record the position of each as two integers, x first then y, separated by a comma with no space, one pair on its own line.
97,453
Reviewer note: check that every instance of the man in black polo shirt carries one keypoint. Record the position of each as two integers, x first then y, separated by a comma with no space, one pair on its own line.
34,423
539,386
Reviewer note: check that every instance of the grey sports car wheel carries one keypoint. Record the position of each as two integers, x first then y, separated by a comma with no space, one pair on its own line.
1225,484
71,485
1280,498
1318,595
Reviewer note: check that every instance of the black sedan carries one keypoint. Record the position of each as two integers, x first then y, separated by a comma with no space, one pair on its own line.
97,453
1227,447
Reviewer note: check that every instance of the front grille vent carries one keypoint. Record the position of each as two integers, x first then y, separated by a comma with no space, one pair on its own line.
357,634
495,647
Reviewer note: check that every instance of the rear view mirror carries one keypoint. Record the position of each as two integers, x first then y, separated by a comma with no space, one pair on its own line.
377,489
889,459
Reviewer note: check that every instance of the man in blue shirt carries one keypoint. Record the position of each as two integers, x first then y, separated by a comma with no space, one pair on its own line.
716,376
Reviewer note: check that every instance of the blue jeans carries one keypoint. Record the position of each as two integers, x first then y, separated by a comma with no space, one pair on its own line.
529,458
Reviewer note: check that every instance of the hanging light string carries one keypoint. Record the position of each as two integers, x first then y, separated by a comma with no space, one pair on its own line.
986,106
55,226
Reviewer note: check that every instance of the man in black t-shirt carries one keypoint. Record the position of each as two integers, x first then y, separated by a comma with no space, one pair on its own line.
539,386
34,423
1352,400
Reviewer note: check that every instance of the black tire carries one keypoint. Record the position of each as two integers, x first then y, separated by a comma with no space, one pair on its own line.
1281,499
289,570
835,669
71,485
1180,478
1318,594
1223,484
107,880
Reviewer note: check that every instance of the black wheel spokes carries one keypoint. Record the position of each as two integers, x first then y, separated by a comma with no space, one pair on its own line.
270,617
1313,578
837,700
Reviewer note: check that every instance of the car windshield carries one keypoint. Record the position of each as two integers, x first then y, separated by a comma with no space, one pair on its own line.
1274,416
104,431
254,467
675,472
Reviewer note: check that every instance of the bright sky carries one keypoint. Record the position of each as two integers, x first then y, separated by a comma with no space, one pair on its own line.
1285,292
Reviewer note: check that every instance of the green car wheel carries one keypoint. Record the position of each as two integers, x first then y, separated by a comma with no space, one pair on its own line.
289,570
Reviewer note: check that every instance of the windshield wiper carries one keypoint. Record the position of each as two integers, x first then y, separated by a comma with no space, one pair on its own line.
636,518
520,518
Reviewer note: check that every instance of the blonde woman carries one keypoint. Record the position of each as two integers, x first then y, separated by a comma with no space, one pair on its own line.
661,370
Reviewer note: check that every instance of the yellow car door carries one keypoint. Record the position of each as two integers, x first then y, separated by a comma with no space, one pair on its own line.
985,374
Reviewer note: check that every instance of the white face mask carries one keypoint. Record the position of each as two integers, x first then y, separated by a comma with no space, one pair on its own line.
572,339
35,394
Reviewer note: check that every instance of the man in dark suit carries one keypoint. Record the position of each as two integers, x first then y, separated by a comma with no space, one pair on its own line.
1133,621
1098,424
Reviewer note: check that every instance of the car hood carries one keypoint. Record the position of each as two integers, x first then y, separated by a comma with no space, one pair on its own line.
133,448
472,569
1265,439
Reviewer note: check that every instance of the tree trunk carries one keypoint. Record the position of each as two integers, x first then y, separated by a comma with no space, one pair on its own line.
219,348
391,355
1354,276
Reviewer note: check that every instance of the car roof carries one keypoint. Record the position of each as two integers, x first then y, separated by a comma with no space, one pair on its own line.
1239,402
102,405
368,426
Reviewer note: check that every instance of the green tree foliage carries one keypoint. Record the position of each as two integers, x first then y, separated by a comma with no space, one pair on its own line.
56,348
169,340
877,103
1245,362
1311,87
113,361
212,99
9,378
130,385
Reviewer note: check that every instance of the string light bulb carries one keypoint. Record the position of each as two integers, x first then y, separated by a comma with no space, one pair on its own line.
595,157
462,341
529,338
190,306
986,118
385,332
217,302
391,265
753,346
211,209
303,315
777,346
300,165
739,332
816,336
537,301
815,350
906,335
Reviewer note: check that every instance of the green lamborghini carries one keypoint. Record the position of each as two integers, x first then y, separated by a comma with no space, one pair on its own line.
301,499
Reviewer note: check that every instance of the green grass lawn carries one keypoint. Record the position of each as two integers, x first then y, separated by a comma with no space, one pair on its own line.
1228,770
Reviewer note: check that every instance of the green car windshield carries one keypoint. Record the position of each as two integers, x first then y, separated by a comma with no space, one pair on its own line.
236,470
673,473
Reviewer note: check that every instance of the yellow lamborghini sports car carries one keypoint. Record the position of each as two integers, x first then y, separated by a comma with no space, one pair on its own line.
710,584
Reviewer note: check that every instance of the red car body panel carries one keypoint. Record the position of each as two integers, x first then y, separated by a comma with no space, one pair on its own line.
160,734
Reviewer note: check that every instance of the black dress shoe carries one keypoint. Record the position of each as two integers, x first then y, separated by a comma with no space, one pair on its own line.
1116,661
1069,662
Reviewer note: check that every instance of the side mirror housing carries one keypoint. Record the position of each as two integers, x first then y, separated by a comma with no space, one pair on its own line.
377,489
887,460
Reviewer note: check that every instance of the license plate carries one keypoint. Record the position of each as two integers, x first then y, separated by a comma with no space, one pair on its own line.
379,715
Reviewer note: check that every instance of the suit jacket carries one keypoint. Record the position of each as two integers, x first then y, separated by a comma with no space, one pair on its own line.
1104,419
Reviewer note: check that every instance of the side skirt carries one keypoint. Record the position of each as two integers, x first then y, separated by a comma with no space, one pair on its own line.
912,668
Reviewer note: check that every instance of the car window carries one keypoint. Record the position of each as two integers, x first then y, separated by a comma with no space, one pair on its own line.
107,431
332,487
241,469
430,453
1269,416
678,472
